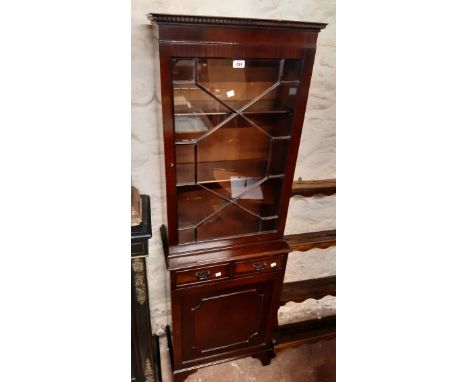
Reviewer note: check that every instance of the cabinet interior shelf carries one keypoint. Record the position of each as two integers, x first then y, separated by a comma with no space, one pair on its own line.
196,114
222,171
208,182
180,84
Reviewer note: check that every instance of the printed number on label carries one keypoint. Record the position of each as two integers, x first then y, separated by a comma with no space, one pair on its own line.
238,64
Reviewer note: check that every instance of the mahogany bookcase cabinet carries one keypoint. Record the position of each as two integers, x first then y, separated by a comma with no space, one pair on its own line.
233,94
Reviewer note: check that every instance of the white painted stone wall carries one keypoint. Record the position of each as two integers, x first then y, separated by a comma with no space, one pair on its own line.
317,149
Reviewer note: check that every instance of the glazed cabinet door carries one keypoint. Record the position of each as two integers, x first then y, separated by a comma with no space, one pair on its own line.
233,122
222,319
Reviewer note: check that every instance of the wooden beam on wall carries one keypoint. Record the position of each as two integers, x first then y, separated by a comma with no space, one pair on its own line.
312,330
295,334
309,240
299,291
314,187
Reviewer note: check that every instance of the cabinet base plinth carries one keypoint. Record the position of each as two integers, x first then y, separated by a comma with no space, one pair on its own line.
265,357
179,376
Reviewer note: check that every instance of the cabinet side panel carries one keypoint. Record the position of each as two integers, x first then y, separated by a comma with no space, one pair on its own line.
166,122
159,126
309,57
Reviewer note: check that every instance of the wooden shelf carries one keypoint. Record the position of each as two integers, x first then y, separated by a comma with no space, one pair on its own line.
228,113
299,291
309,240
314,187
221,171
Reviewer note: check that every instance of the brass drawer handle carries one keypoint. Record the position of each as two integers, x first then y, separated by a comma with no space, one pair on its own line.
258,266
202,275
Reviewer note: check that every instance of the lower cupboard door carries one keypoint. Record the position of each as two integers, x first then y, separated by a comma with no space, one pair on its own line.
224,319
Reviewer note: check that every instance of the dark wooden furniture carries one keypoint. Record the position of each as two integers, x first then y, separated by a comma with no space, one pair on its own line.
145,366
233,94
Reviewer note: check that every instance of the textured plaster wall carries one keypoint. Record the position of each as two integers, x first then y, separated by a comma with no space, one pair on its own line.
316,153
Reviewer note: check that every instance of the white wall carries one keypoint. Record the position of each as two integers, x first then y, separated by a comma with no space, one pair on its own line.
317,149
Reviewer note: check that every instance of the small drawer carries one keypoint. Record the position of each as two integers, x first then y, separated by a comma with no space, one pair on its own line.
216,272
259,265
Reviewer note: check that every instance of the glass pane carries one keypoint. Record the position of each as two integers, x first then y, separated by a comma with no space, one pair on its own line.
279,156
264,199
292,70
234,185
230,221
237,86
189,128
222,188
280,99
277,125
185,164
195,204
186,236
183,70
190,99
237,149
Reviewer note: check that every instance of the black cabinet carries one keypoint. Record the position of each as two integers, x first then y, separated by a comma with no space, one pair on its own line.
145,347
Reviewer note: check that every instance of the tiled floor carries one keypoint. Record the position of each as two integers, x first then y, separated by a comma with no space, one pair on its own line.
306,363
